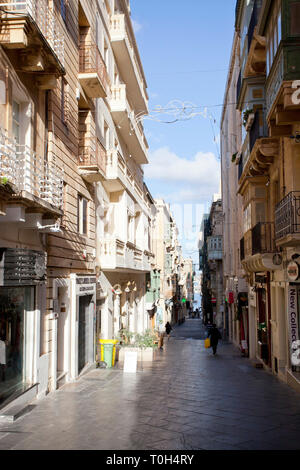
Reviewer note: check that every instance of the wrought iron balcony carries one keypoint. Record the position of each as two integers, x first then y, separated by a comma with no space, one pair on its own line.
92,160
287,217
93,74
28,174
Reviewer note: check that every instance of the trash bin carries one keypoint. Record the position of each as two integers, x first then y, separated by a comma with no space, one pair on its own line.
108,351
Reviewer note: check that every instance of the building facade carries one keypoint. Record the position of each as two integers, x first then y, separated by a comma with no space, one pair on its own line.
211,256
76,216
170,263
266,50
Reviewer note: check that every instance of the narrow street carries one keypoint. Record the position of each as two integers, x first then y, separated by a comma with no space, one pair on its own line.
186,400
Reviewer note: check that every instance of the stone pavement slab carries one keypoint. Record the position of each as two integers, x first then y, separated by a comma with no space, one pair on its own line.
186,400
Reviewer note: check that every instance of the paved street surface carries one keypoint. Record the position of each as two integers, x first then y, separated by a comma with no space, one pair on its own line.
187,399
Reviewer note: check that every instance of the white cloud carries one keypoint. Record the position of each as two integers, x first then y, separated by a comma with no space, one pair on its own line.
195,179
136,26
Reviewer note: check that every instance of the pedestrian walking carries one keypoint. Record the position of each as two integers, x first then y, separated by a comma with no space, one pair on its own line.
168,329
214,336
161,334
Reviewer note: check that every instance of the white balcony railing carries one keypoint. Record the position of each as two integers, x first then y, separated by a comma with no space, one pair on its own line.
119,31
119,103
22,168
117,169
115,253
44,18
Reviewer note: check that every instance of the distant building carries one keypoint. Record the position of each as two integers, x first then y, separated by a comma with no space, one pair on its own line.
211,257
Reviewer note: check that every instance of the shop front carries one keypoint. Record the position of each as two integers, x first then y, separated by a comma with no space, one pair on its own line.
22,280
243,317
83,308
294,327
262,325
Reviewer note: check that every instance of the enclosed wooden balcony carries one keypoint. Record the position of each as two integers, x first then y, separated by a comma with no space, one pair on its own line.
92,160
283,106
258,150
93,75
287,220
256,161
215,248
256,58
258,251
30,28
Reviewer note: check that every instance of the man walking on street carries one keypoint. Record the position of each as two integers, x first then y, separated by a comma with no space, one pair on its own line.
168,329
214,336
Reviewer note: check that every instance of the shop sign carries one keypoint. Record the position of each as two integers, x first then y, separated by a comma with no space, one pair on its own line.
230,298
292,271
213,300
86,285
260,279
293,319
22,267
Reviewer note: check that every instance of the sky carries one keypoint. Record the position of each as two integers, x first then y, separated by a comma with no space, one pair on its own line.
185,51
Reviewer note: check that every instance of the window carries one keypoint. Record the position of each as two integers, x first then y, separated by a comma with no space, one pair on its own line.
294,19
273,35
247,218
82,215
63,9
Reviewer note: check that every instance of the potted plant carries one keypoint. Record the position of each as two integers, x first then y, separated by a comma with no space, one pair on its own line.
144,344
233,158
248,118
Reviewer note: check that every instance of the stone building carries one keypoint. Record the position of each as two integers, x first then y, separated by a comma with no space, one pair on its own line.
211,256
266,167
75,216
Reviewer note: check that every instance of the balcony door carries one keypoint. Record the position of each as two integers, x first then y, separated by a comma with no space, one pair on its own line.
26,170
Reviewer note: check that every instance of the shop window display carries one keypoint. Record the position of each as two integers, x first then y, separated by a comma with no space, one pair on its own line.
14,303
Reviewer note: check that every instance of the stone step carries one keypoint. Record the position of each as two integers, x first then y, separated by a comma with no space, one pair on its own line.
19,406
14,412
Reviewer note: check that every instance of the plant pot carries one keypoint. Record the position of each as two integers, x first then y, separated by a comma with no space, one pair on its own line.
144,355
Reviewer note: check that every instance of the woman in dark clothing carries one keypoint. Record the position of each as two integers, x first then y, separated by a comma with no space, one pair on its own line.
214,336
168,329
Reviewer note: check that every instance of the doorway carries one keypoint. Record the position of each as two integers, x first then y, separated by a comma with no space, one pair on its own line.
83,331
62,336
